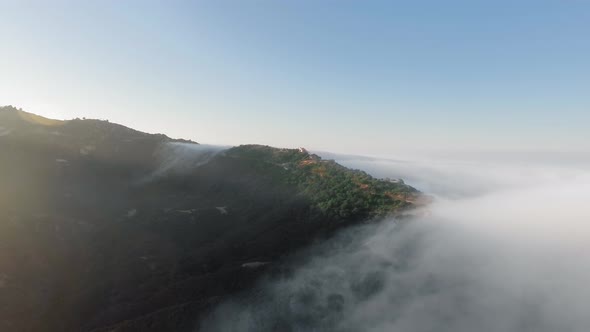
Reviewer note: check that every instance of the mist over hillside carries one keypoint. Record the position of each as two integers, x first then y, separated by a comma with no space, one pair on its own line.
503,247
141,232
181,158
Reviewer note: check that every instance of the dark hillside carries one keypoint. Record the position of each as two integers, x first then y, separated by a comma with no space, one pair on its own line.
91,239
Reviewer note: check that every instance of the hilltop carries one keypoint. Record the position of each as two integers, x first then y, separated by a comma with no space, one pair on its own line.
97,235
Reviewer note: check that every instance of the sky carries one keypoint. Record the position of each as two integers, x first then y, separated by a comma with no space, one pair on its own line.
365,77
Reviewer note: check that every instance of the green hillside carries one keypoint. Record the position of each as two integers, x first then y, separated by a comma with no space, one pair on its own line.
95,233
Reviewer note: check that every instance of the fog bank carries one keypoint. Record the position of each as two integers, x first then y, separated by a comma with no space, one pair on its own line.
504,247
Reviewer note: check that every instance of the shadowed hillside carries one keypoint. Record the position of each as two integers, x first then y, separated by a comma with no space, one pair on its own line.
96,235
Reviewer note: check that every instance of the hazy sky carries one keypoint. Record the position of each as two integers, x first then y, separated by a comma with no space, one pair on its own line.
372,77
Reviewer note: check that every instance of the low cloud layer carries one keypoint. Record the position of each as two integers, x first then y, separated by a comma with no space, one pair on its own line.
504,247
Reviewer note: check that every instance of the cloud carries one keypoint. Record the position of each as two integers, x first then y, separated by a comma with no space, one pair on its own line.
503,248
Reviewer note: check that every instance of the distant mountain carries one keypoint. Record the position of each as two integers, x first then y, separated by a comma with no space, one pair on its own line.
105,228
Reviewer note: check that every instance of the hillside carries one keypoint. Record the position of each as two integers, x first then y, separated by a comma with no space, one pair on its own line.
104,228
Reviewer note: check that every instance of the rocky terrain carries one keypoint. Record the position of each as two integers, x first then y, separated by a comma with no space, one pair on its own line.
104,228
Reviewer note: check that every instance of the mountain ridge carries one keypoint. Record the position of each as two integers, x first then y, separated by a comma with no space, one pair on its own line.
90,244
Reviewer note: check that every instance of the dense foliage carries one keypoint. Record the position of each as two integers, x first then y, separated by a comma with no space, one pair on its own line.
336,191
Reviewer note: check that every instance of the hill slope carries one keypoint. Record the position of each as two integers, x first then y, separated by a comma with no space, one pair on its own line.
97,235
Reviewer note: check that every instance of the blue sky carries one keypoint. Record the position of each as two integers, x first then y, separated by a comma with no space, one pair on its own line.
369,77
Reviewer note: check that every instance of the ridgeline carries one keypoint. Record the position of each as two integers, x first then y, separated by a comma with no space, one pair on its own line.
97,236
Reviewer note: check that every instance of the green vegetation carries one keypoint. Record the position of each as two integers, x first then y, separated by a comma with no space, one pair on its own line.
120,248
334,190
